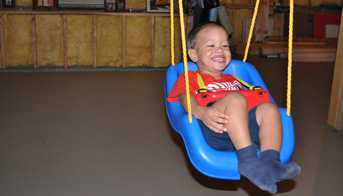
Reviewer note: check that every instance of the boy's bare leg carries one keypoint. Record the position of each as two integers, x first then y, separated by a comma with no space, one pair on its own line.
268,119
235,107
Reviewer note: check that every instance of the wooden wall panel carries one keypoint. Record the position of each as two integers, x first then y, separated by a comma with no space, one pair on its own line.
318,2
109,42
225,1
161,52
244,2
49,40
240,22
237,2
301,2
178,42
278,25
162,42
18,36
23,3
138,40
79,40
135,4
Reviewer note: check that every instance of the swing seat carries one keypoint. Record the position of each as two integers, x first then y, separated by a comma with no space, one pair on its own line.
207,160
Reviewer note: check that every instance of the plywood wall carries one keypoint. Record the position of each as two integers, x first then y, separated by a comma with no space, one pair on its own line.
138,41
161,54
49,35
135,4
240,21
68,40
318,2
241,2
109,42
18,40
79,40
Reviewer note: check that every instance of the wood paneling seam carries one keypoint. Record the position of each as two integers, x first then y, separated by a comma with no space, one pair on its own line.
153,27
65,50
94,39
34,42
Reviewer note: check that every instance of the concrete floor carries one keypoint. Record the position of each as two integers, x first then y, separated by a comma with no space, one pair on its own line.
106,133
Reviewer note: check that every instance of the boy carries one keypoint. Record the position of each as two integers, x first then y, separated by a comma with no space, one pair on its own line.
233,119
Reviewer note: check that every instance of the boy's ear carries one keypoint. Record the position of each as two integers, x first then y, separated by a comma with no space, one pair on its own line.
192,53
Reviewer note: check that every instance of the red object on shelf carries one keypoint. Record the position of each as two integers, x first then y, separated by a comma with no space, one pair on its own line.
50,3
321,19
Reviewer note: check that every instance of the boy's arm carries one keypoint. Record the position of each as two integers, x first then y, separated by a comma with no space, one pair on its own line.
210,116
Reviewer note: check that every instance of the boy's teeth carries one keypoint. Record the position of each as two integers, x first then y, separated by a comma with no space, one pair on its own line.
218,59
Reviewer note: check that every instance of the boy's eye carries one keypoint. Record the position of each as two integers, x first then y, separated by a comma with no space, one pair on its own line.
210,45
225,46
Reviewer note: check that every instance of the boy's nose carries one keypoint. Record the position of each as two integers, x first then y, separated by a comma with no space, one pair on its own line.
219,49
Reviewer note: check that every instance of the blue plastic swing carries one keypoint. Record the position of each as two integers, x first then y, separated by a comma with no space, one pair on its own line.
211,162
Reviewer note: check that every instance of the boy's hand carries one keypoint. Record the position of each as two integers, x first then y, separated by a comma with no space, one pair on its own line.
213,119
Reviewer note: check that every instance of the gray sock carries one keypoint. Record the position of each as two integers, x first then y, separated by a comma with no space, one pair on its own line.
251,167
279,171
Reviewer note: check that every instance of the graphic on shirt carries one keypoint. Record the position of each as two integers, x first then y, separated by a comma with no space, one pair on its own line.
227,86
215,86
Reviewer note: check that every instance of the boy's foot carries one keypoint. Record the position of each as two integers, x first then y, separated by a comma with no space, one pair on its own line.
258,174
285,171
279,171
255,170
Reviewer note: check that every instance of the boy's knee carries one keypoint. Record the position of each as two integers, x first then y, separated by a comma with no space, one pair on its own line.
236,99
268,108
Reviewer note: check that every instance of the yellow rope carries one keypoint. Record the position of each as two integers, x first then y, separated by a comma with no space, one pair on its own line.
172,49
253,21
184,53
290,56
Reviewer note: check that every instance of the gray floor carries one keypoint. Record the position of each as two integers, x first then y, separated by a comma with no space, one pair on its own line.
105,133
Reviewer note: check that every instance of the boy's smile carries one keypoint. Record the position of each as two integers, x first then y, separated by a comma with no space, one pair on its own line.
211,51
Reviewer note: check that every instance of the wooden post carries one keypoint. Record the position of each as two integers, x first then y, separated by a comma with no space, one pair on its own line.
2,42
335,117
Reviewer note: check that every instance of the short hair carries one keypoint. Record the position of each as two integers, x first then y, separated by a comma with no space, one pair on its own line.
192,35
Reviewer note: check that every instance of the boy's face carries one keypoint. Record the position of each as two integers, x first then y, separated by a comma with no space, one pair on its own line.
211,51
